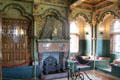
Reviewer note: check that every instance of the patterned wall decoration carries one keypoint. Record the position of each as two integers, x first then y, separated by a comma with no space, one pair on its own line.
40,9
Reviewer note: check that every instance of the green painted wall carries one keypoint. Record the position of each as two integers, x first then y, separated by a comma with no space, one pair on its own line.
103,48
25,72
84,47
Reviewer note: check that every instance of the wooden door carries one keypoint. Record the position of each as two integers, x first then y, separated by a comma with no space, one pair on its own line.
0,48
16,42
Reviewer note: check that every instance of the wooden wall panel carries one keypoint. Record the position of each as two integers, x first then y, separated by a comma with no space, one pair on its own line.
16,42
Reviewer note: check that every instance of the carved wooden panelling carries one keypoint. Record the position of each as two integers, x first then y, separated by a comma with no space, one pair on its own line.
16,42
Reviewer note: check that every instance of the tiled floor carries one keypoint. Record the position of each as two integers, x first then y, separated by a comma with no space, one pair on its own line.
61,79
95,75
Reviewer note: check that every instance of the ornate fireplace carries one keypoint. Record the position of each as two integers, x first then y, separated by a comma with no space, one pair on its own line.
50,65
52,56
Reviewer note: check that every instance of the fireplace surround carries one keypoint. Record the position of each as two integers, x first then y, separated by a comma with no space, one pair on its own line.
52,56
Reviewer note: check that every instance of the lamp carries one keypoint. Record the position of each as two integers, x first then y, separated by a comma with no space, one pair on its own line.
101,29
18,31
86,30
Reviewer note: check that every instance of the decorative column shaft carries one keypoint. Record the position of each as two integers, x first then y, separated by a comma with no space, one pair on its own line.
0,47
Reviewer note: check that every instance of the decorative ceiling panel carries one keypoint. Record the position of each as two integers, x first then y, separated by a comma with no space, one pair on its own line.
93,2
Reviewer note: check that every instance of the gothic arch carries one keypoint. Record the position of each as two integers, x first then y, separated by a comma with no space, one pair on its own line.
20,8
83,15
101,17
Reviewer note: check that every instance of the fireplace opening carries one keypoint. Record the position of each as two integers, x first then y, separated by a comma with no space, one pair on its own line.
50,65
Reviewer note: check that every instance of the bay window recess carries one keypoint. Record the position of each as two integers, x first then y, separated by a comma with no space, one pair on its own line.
74,38
115,37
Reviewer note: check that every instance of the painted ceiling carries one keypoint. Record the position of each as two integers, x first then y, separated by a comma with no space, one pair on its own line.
92,4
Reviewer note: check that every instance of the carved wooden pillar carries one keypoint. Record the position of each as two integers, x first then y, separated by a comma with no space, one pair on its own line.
0,47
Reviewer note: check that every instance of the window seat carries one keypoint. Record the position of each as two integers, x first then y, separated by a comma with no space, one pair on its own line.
103,58
100,62
117,61
87,63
